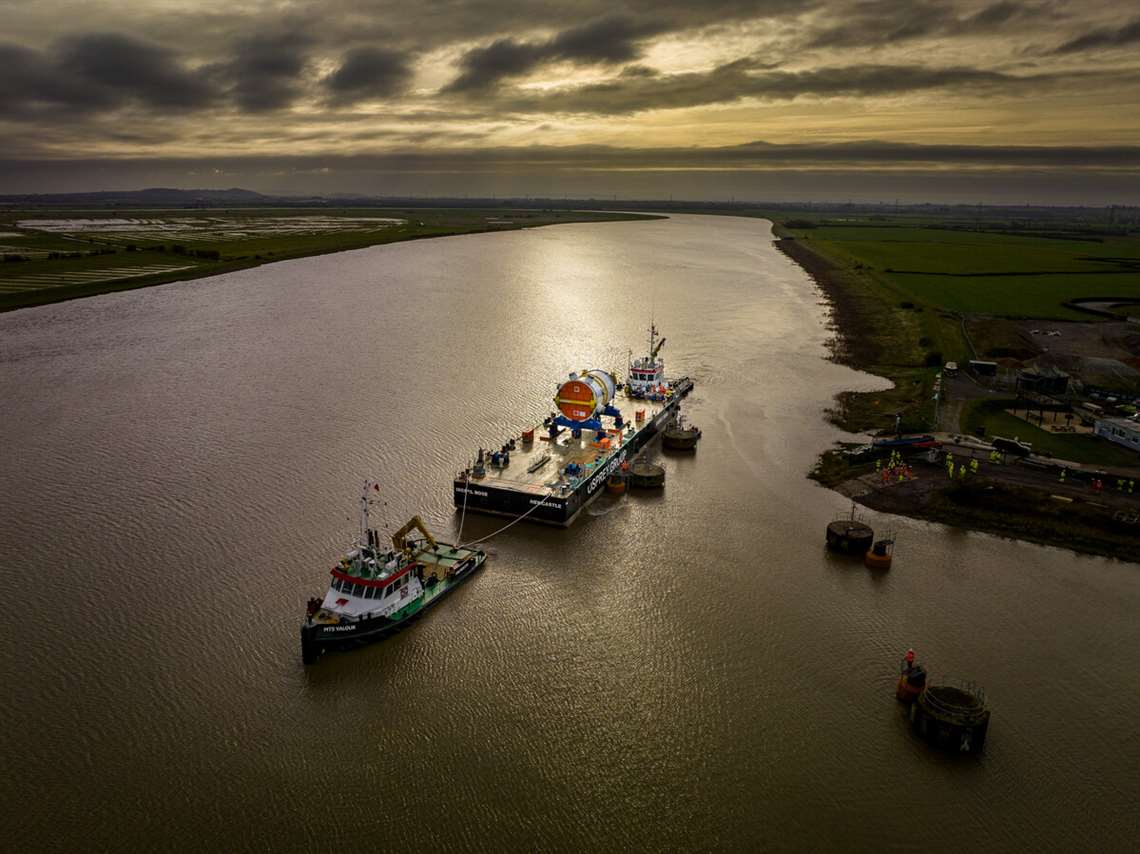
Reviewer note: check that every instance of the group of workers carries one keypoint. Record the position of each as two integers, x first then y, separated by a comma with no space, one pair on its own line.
893,469
961,468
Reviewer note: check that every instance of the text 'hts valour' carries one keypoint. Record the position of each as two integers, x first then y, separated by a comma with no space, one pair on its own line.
598,425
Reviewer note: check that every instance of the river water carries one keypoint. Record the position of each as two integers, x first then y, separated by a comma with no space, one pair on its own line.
181,465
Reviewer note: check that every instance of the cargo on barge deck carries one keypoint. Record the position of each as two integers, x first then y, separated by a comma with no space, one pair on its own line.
549,494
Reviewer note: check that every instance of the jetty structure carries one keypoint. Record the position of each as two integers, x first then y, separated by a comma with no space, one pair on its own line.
550,473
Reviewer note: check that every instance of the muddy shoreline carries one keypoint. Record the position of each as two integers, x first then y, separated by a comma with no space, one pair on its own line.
854,331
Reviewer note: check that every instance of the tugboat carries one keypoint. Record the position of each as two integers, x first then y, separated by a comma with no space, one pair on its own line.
376,591
647,373
681,436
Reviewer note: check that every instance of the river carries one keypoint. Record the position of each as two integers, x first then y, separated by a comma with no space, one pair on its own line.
181,465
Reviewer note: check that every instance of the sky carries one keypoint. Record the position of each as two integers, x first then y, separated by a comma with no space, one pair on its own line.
966,101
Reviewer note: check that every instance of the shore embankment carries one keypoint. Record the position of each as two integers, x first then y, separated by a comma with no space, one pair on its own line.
1095,512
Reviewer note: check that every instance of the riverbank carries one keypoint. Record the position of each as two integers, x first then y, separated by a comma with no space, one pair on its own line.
875,333
1010,501
53,254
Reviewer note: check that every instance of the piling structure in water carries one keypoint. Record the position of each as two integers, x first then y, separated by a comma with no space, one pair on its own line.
645,475
849,536
951,718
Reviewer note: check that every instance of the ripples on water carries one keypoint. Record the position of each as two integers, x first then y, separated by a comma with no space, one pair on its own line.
691,670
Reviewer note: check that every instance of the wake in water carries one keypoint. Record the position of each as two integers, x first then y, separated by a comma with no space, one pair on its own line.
732,440
605,510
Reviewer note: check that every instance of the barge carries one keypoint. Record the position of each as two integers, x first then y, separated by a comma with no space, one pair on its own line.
551,472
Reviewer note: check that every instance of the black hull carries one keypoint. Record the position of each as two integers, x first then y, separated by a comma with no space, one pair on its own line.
318,638
562,510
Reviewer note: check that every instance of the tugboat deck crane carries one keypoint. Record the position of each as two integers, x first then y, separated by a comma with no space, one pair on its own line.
400,538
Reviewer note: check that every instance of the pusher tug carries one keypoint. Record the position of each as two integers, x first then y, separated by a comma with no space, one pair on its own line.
553,476
375,592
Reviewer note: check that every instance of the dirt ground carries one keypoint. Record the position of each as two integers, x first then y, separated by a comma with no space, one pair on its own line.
1024,340
1012,499
1097,340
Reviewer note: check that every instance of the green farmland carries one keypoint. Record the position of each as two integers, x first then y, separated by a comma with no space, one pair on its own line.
979,272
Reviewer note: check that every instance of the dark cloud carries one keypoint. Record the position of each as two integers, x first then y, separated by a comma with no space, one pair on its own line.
485,66
99,71
32,81
874,23
609,39
369,72
738,80
266,70
456,22
612,38
1127,35
134,70
995,14
641,71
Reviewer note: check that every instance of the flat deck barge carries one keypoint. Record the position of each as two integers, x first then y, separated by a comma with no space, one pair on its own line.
547,491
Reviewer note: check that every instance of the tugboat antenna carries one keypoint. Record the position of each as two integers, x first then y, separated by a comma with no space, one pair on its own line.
368,485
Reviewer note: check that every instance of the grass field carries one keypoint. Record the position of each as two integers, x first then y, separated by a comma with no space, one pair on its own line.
985,272
53,254
997,273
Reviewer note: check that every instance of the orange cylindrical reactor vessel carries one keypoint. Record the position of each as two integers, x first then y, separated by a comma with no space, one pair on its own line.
581,396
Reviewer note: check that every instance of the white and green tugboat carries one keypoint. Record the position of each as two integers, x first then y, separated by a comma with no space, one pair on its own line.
375,591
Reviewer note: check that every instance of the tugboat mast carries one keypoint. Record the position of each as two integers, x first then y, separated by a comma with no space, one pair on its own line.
364,525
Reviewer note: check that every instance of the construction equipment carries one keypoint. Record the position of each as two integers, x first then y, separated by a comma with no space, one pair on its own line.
400,538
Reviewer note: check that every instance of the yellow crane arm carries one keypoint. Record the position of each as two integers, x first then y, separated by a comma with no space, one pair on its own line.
400,538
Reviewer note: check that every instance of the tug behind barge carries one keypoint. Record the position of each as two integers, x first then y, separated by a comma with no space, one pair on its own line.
375,592
581,450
